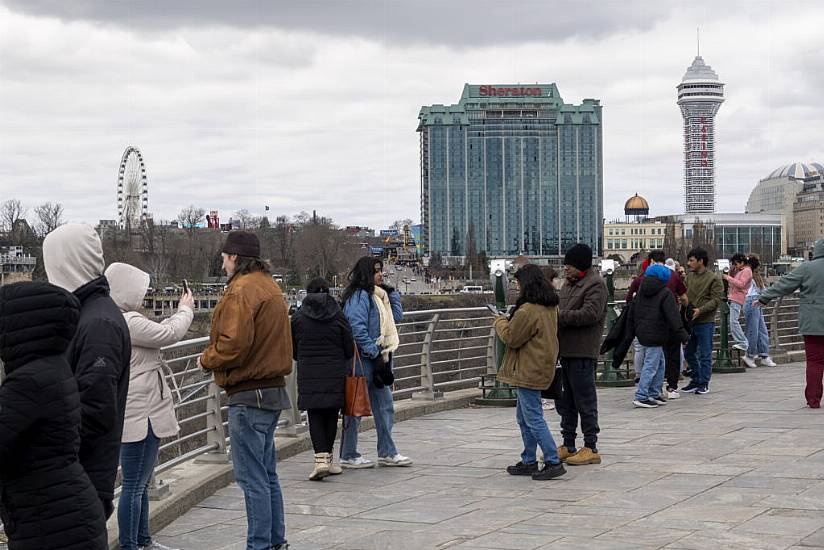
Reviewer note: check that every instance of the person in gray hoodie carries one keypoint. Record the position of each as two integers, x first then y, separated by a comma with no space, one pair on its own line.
99,353
150,414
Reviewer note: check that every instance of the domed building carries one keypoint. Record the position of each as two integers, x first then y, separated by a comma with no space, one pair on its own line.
636,235
776,193
636,206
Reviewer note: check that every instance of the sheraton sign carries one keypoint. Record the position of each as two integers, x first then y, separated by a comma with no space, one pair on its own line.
492,91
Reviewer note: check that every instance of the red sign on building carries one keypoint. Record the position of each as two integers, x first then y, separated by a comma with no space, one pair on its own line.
492,91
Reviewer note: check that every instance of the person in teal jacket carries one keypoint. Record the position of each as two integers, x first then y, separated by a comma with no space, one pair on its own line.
808,279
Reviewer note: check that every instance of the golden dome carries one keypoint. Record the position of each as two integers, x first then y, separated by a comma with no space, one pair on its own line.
636,203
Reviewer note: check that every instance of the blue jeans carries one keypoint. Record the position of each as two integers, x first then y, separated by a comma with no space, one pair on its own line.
383,410
757,335
699,353
137,461
652,375
255,461
534,429
736,332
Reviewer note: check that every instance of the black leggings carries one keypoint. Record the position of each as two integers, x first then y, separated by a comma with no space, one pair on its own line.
323,426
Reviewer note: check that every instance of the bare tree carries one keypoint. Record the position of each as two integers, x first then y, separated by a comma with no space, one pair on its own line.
11,211
190,218
246,220
49,217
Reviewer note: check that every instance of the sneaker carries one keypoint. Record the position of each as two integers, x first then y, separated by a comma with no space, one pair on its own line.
637,379
549,471
741,347
356,463
397,460
564,452
768,362
692,387
749,361
156,546
521,469
673,394
284,546
658,400
703,390
645,404
547,404
585,455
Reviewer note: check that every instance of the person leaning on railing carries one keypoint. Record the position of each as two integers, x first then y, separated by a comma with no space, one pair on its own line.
808,278
150,414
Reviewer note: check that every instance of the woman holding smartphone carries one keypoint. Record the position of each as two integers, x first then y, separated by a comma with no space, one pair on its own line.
150,414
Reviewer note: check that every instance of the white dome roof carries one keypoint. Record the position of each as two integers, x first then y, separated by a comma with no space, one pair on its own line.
797,170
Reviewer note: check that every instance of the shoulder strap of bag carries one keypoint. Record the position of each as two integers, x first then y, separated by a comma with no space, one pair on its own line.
356,360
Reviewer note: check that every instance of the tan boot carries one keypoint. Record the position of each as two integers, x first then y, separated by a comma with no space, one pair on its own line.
321,467
585,455
334,467
563,453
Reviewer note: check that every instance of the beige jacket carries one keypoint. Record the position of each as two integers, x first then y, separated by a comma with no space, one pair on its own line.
388,340
150,399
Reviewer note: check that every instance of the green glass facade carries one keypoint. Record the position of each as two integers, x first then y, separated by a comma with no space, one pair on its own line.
511,170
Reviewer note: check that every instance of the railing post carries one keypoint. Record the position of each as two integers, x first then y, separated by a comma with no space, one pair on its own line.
775,344
427,376
491,367
214,422
723,357
294,426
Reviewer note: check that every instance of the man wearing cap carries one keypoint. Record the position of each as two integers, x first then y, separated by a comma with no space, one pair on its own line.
581,316
250,354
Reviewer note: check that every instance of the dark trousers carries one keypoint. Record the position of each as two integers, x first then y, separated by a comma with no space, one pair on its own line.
814,346
323,426
580,399
672,356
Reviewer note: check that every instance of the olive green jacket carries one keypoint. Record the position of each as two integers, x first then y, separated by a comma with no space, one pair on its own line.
531,339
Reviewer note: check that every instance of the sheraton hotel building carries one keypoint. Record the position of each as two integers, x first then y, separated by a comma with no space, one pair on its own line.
509,170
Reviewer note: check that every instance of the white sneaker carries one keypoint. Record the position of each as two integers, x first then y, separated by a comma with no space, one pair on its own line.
356,463
768,362
673,394
397,460
742,347
156,546
749,361
547,404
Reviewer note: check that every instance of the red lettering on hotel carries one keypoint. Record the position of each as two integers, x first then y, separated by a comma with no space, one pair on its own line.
492,91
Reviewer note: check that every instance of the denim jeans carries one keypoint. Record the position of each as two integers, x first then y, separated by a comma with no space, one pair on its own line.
638,358
699,353
652,375
736,332
383,410
137,461
534,429
757,336
252,432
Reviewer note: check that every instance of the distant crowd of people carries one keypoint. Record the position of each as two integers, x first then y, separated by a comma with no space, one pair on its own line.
85,389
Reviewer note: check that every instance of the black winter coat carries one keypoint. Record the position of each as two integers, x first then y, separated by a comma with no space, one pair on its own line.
323,346
46,499
99,358
653,316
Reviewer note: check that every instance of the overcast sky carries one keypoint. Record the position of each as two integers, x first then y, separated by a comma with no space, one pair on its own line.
313,104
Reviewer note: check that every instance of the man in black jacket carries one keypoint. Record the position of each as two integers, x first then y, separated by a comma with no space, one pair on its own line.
99,353
655,320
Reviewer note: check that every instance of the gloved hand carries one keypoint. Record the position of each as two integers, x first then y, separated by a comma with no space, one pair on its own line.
387,288
108,507
383,375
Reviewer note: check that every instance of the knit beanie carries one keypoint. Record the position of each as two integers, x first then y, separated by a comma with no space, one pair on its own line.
579,257
242,243
659,272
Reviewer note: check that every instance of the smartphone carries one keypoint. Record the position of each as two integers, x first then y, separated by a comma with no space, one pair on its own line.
494,309
185,286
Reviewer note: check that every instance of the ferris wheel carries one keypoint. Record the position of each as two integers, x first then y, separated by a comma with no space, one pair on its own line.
132,189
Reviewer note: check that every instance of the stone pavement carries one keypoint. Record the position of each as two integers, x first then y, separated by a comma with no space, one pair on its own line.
741,467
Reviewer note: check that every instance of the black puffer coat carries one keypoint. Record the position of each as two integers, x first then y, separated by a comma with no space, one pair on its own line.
323,346
653,315
99,357
46,499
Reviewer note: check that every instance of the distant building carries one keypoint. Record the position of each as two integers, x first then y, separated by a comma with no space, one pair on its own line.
730,233
15,265
636,235
358,231
776,194
808,215
509,170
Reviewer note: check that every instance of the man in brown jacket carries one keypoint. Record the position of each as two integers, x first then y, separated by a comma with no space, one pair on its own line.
250,353
580,327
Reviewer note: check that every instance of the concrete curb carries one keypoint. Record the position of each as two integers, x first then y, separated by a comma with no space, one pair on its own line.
192,482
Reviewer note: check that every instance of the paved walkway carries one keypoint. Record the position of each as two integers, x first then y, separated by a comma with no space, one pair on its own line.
741,467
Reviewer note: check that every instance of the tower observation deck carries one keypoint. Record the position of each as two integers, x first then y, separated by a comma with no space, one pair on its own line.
700,94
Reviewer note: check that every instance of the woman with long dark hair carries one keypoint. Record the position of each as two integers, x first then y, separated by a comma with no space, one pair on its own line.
372,309
757,336
531,338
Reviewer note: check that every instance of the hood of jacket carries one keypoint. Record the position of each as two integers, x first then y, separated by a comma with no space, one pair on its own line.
36,320
818,249
128,286
651,286
73,256
319,306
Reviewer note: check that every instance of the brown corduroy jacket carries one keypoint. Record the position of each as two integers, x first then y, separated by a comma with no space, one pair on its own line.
250,343
531,341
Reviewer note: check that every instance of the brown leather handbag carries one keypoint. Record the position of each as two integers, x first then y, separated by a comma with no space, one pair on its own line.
357,395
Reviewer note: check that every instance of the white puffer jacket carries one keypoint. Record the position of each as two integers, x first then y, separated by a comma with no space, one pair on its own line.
149,396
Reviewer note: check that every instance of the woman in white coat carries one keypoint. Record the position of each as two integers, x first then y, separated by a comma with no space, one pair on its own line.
150,414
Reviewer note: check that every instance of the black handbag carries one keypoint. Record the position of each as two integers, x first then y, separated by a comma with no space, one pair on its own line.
556,388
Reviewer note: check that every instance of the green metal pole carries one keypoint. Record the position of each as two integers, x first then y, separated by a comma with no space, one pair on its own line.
607,376
502,395
723,358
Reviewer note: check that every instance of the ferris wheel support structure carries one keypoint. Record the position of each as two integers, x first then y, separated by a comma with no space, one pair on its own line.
132,189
